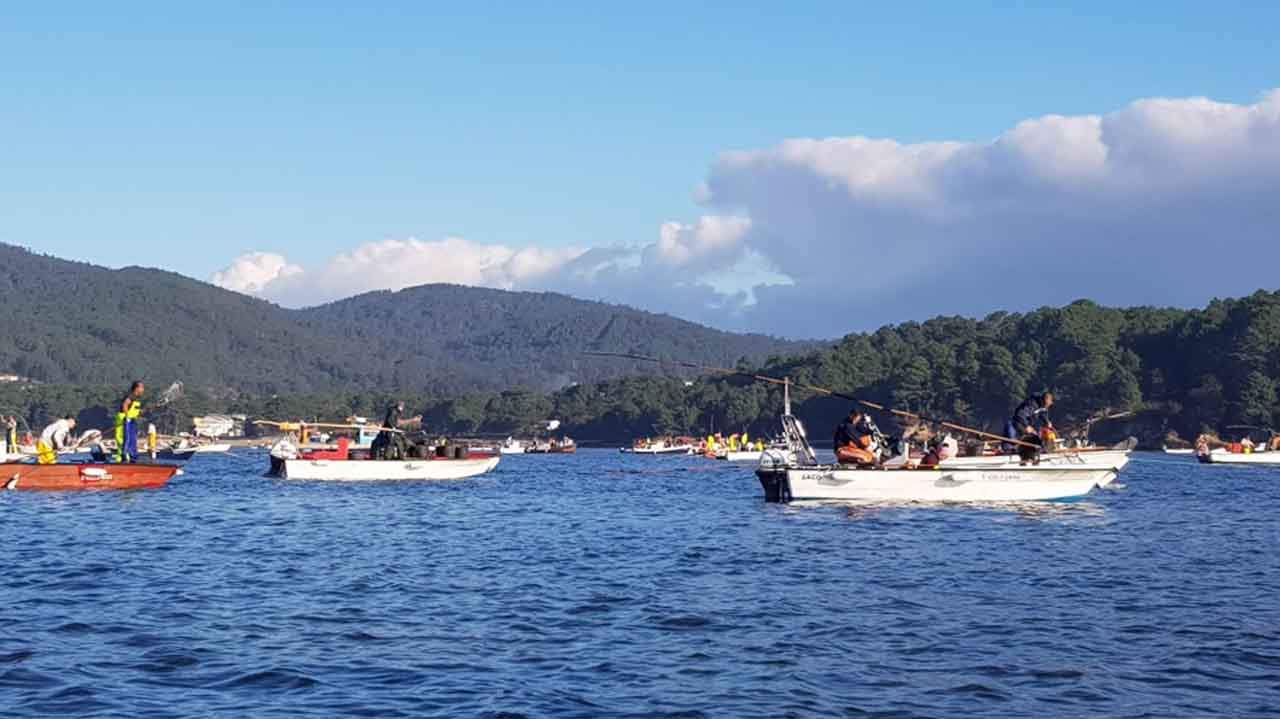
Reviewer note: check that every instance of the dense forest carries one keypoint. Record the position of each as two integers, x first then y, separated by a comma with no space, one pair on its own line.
74,323
1168,369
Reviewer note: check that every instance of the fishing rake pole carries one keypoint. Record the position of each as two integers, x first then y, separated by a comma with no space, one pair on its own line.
818,390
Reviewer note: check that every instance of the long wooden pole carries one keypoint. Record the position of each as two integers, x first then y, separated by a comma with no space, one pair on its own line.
325,425
819,390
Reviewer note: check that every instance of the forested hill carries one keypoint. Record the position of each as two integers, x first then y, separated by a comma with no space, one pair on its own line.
513,339
1181,370
71,322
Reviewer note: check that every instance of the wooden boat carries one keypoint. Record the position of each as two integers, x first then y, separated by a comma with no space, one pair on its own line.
340,466
89,476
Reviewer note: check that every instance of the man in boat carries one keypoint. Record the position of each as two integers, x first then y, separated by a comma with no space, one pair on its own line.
11,433
126,424
389,444
1028,419
54,437
854,439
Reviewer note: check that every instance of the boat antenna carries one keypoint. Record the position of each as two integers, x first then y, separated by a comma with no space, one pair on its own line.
786,395
786,385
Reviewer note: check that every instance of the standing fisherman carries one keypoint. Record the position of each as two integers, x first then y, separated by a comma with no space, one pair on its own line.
127,424
1028,419
11,433
391,444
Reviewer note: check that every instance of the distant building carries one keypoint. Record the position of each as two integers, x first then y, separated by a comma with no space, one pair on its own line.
220,425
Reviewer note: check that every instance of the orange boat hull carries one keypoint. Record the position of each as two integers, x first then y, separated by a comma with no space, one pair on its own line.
63,477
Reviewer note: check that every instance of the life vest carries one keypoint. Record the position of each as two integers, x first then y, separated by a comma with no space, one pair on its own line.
134,412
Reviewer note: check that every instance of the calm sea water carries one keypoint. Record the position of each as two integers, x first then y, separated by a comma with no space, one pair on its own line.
603,585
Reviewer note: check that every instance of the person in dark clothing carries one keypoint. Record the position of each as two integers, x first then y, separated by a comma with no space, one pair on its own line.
1028,419
388,444
854,438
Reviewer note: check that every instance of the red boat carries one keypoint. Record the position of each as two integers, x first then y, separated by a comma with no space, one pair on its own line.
15,475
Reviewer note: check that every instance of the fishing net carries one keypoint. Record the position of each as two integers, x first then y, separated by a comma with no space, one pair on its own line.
172,393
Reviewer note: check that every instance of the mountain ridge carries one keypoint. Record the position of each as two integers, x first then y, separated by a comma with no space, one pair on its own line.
75,322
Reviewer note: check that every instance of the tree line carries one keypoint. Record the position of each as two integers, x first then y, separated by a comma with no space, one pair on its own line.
1185,371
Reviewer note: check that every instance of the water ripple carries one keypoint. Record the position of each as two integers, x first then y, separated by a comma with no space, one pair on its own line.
601,585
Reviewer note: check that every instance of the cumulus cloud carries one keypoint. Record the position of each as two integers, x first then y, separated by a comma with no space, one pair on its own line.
251,273
1165,201
396,264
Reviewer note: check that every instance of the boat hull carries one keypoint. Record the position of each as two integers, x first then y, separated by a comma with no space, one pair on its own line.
365,470
1022,484
75,477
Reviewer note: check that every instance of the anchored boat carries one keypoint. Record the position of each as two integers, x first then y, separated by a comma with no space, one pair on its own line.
679,445
97,476
1225,456
287,462
796,475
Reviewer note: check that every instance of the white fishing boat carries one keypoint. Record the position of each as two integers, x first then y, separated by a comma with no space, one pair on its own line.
512,446
660,446
1222,456
1174,450
1015,484
360,470
796,475
339,466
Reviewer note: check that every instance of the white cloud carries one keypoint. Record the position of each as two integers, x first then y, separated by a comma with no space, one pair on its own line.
251,273
396,264
1165,201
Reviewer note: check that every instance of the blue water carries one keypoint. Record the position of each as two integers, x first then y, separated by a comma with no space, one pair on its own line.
603,585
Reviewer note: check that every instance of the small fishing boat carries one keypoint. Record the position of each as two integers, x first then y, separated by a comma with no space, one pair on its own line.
512,446
287,462
1178,450
1016,484
796,475
95,476
1224,456
554,446
679,445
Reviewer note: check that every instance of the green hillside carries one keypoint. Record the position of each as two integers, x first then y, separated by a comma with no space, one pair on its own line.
71,322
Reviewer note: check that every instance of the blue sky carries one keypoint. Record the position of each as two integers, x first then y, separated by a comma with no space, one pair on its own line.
183,137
